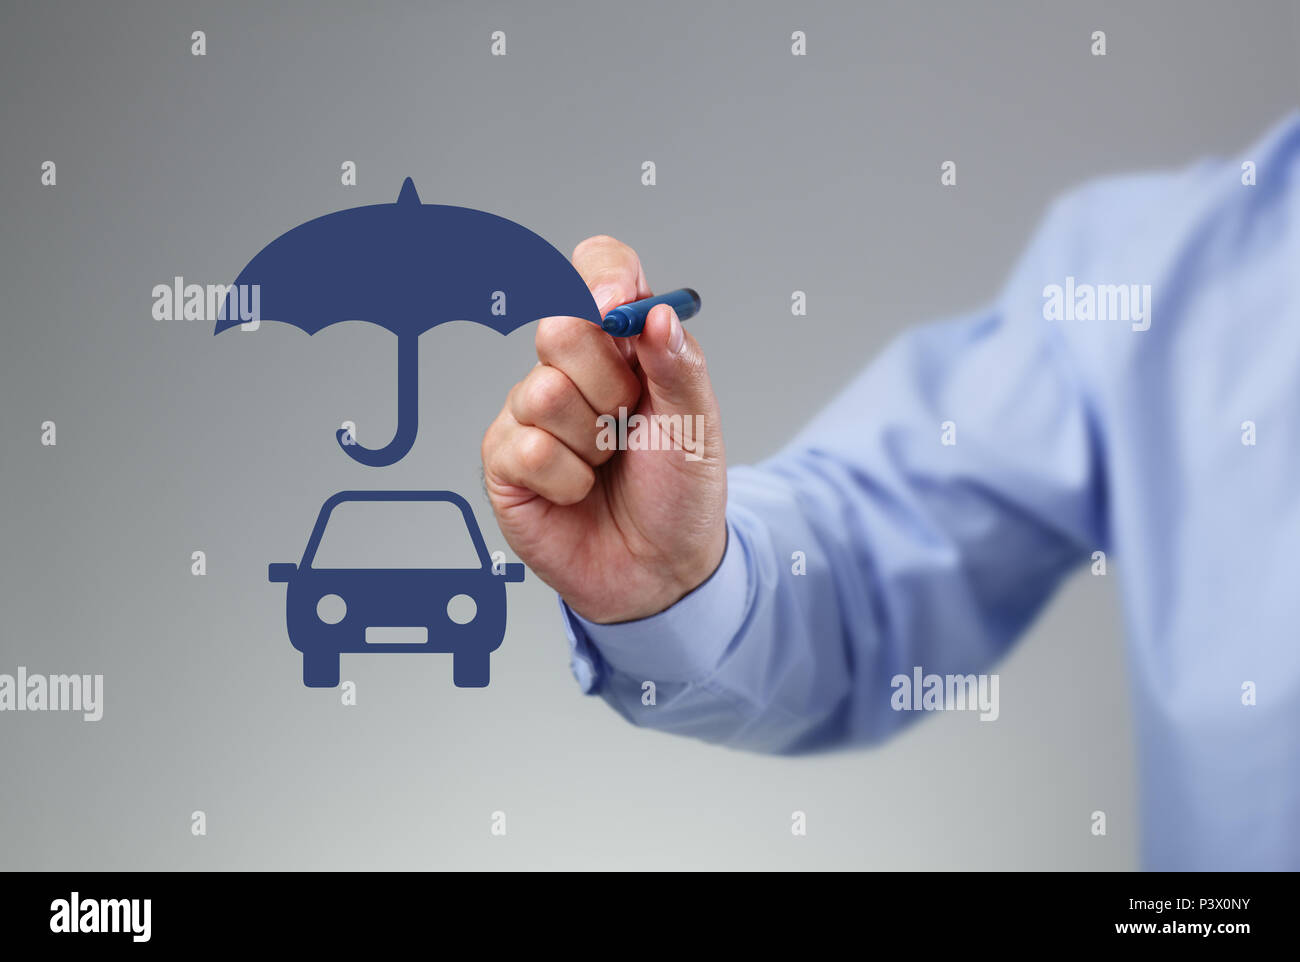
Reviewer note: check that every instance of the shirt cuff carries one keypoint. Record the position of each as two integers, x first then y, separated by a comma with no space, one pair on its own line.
682,643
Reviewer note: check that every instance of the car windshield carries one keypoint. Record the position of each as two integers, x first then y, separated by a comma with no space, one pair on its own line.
396,534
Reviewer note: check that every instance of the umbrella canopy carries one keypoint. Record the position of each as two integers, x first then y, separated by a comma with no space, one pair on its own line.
409,266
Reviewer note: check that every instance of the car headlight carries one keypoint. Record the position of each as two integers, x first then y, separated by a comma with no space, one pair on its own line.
462,609
331,609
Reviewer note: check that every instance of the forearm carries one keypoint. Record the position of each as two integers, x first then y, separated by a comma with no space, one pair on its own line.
864,550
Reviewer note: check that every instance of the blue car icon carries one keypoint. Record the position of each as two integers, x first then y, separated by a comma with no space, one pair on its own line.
396,571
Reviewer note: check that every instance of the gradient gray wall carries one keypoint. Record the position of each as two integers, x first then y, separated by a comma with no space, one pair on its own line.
775,173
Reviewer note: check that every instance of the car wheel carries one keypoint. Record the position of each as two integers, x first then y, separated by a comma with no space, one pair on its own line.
469,669
320,670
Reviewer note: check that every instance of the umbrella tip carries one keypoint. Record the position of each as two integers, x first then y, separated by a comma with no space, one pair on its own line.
408,194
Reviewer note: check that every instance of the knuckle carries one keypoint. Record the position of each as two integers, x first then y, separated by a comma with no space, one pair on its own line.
596,242
620,281
535,450
697,368
546,394
559,336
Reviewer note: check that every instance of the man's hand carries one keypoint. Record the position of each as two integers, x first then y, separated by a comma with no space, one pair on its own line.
619,534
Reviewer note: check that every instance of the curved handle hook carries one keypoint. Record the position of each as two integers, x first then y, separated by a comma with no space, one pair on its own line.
408,410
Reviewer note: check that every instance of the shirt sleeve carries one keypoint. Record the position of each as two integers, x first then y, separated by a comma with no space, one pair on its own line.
920,521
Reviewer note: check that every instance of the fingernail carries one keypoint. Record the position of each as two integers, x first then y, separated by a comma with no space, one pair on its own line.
676,336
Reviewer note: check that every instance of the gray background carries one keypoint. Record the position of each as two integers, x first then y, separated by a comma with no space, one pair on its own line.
775,173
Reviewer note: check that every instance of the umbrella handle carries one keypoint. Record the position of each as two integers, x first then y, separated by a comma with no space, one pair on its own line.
408,410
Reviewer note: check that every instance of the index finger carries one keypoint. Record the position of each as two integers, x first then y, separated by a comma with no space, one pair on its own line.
612,271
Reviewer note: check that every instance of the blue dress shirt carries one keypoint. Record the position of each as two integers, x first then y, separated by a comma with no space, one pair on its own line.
1170,442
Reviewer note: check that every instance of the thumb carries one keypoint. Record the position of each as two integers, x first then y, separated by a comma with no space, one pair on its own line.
674,366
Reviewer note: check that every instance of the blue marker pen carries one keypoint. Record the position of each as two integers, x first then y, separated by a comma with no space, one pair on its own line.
630,318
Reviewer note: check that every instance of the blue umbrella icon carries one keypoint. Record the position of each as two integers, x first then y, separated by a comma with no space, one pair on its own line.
409,266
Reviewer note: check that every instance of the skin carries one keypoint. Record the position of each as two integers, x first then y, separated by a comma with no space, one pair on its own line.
621,535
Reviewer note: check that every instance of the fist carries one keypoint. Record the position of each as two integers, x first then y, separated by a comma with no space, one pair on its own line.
605,467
